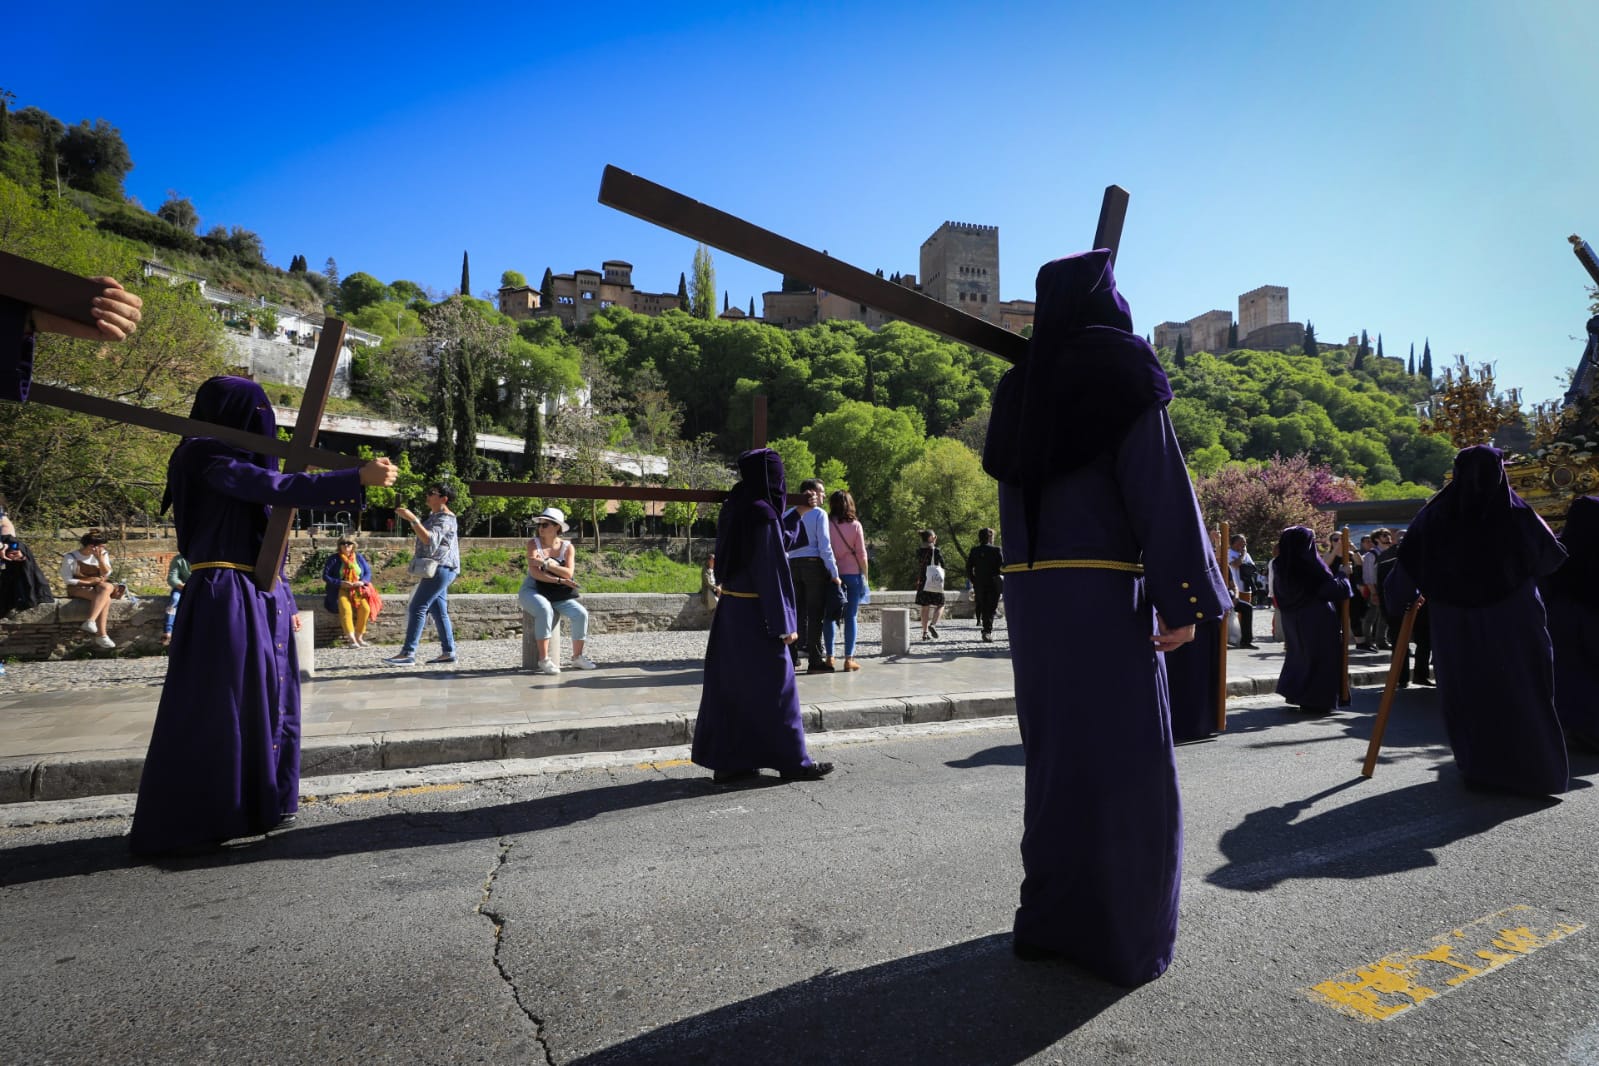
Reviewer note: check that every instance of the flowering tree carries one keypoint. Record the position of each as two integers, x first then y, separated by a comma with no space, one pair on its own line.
1260,500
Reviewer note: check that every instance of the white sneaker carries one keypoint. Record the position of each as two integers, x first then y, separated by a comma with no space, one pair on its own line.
104,642
583,662
546,666
89,627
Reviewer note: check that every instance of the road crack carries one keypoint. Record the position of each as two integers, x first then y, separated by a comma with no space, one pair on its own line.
498,920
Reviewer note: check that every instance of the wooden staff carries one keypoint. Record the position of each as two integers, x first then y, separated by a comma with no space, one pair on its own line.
1221,651
1395,668
1344,612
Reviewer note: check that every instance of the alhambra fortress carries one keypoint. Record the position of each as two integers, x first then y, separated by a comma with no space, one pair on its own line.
959,266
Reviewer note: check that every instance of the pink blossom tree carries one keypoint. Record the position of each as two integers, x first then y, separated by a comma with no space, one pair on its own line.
1261,499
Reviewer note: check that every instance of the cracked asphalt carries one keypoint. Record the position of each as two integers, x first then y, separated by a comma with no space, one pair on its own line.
620,909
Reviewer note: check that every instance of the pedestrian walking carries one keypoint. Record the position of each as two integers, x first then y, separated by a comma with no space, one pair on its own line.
983,565
849,553
224,757
930,582
1308,595
436,559
1107,564
1477,551
549,588
177,578
749,715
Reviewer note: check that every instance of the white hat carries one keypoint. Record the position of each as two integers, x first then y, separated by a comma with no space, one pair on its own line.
553,514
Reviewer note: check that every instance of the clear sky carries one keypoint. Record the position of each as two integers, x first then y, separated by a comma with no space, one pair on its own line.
1410,167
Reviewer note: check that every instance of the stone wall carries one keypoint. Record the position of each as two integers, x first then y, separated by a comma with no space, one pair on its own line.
53,631
270,361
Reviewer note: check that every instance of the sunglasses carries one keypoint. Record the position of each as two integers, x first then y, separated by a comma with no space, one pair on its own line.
346,543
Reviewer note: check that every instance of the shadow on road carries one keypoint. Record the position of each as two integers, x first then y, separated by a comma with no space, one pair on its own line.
385,832
1000,755
1380,834
967,1003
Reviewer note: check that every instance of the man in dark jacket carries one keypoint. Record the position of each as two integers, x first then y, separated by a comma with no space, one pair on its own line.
983,566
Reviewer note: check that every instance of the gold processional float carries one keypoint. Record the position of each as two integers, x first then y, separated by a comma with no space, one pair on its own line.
1562,462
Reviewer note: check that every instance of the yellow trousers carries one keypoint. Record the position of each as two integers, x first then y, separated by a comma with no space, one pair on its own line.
353,614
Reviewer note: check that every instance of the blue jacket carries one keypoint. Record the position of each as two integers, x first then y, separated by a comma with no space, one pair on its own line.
333,573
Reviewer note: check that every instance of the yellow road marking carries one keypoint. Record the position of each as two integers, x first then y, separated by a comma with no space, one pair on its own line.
414,790
664,764
1396,983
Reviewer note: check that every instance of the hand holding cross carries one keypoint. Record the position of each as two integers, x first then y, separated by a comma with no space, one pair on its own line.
116,312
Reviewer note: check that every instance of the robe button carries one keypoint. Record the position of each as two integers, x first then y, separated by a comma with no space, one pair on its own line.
1193,599
1199,614
1185,584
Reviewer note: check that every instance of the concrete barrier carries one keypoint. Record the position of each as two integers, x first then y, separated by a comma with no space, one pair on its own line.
896,630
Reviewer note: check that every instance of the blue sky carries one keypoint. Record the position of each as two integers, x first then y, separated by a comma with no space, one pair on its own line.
1407,168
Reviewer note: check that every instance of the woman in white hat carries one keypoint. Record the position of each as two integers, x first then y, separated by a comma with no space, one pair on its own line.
550,588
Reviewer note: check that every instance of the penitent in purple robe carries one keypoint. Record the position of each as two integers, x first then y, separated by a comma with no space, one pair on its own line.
16,351
1476,551
1571,596
224,759
1308,598
749,716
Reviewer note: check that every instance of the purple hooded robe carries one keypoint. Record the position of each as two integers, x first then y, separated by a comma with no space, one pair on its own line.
1571,595
1308,595
224,758
749,716
1476,550
1090,469
16,351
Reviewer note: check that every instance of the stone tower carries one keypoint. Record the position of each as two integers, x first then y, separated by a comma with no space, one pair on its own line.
1262,307
960,267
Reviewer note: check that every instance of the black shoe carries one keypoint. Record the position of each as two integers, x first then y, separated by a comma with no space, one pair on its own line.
933,630
821,668
1251,647
733,777
286,822
813,772
1363,647
1032,952
1426,681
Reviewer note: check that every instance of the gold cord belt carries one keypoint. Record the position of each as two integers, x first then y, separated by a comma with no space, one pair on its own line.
246,567
1073,564
741,595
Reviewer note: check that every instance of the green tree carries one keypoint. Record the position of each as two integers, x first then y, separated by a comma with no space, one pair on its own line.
1411,367
874,444
1310,347
547,291
466,276
361,290
944,489
702,292
179,211
1379,346
1179,356
631,513
799,462
1232,335
513,279
95,158
1426,362
330,270
682,292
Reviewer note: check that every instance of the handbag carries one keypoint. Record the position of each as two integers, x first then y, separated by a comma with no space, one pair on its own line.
933,578
866,590
423,568
374,600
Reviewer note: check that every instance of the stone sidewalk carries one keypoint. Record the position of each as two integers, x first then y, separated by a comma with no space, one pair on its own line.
360,717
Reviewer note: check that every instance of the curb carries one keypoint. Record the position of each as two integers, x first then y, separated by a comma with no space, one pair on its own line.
109,773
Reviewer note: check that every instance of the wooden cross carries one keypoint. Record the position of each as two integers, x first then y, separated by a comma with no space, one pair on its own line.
71,296
672,210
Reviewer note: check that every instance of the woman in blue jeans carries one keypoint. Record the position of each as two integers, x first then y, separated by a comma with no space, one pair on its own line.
849,551
436,539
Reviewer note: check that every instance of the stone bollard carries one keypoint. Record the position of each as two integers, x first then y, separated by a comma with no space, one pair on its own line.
896,631
305,644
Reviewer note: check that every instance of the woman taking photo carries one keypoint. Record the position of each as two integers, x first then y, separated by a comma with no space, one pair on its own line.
1313,630
930,600
436,561
849,551
348,575
87,573
550,588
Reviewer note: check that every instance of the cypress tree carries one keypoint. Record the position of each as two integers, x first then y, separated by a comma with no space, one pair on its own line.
1232,336
1379,346
533,439
5,120
682,292
752,307
466,280
1426,360
1411,369
1359,362
1311,347
547,297
724,301
1178,356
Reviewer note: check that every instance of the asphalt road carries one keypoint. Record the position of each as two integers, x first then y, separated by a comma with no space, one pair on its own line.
630,913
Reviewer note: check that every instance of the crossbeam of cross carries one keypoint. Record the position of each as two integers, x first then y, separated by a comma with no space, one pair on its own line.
70,296
672,210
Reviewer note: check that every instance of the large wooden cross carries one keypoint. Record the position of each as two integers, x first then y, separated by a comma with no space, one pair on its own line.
71,296
674,211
